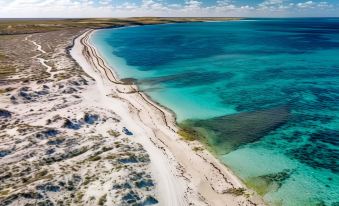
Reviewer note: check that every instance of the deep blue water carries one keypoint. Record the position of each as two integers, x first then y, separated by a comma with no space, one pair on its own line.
263,92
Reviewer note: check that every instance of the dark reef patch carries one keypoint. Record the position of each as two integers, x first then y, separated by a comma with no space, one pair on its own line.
227,133
187,79
320,151
269,182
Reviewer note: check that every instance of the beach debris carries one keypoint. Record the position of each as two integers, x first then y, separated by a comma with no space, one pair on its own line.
126,131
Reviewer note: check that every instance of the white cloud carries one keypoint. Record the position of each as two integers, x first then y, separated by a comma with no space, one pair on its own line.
108,8
312,5
105,2
307,4
275,5
324,4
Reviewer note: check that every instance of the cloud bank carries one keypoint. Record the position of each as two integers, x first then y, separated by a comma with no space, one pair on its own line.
188,8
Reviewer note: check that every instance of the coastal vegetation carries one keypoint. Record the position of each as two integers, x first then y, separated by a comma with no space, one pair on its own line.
23,26
52,150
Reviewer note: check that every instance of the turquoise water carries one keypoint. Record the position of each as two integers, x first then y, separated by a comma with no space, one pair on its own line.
263,92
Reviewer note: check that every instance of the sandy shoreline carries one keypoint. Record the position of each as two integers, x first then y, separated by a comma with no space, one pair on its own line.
182,176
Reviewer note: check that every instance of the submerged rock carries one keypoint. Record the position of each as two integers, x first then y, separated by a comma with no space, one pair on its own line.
227,133
269,182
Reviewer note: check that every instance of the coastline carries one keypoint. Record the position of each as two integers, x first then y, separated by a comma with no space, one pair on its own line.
173,160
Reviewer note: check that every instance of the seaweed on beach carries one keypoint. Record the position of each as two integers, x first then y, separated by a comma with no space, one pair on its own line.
227,133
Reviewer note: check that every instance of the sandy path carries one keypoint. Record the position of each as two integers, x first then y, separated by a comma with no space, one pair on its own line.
39,48
183,176
42,61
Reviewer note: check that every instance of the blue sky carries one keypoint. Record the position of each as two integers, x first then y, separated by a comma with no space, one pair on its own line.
127,8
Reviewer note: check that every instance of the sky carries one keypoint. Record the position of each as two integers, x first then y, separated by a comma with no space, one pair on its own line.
167,8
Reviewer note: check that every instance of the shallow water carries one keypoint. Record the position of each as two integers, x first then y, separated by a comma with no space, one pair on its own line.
264,93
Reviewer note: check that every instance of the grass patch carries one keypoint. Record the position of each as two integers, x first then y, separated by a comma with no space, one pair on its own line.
196,149
79,196
113,133
6,71
94,158
87,180
111,157
102,199
5,90
4,192
236,191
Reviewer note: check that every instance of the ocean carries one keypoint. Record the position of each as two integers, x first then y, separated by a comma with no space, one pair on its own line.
263,95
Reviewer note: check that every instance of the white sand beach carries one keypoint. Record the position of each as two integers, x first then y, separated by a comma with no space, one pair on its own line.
183,176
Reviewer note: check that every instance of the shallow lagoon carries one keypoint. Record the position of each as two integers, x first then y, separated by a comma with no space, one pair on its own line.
277,78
